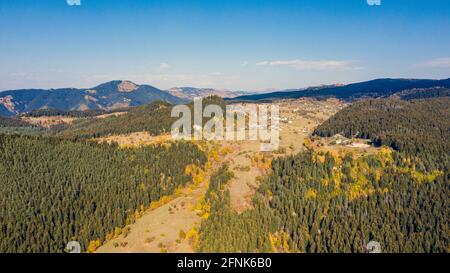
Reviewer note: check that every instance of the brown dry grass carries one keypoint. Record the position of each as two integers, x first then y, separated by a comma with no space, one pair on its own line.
134,139
158,229
47,122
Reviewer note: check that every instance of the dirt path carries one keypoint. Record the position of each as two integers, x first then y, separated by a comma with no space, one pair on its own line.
245,156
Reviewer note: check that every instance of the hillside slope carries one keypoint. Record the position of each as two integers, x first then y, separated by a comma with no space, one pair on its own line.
10,125
110,95
416,126
154,118
322,202
374,88
55,191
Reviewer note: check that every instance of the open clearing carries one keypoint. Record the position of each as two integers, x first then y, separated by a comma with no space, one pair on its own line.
134,139
48,122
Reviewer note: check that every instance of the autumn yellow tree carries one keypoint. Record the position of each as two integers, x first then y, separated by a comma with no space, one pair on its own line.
93,246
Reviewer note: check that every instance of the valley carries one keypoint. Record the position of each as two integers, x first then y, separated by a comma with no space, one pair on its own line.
158,229
334,157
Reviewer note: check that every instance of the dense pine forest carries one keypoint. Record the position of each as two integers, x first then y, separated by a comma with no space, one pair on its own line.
54,191
338,202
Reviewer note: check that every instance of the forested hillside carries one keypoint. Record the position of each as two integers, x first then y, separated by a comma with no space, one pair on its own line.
109,95
369,89
227,231
55,191
419,127
152,118
423,93
337,202
17,126
59,190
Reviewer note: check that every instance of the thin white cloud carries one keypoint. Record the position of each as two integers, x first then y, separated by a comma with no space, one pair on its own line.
263,63
438,63
164,66
312,65
244,64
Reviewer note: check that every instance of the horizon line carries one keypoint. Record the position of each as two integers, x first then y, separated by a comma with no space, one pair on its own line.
268,90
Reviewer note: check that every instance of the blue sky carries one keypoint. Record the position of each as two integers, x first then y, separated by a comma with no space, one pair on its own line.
233,44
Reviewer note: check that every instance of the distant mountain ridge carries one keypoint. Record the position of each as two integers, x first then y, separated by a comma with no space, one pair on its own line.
192,92
109,95
369,89
121,94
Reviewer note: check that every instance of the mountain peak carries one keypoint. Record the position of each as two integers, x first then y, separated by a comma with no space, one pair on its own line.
119,85
109,95
127,86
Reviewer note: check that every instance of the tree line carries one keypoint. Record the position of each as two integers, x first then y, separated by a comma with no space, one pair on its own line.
71,113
